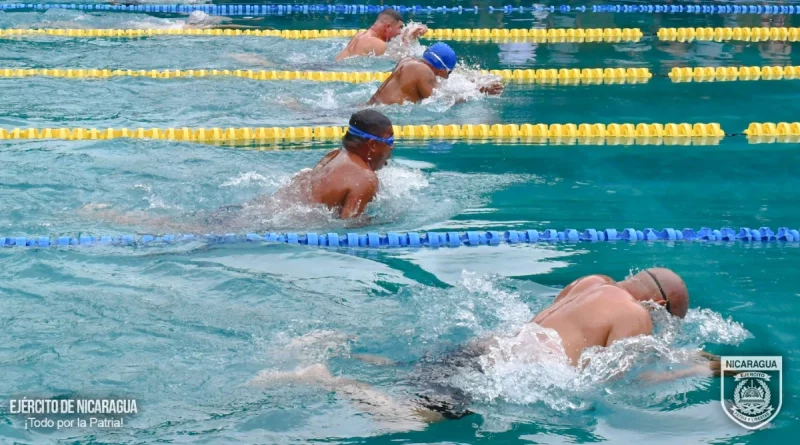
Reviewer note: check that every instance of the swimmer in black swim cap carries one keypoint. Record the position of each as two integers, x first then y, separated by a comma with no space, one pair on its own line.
415,79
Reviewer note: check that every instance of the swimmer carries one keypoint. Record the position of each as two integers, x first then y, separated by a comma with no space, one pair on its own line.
415,79
387,26
591,311
344,182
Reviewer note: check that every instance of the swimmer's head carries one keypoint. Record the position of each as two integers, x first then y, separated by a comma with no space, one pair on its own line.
441,58
371,137
662,286
388,25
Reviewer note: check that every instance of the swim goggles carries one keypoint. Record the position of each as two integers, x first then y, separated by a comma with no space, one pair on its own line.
358,133
663,294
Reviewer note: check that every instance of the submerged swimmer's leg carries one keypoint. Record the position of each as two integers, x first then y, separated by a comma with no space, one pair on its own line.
374,359
103,212
250,59
220,219
394,414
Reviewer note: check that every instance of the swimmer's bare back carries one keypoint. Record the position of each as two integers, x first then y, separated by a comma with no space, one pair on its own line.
362,44
411,81
340,181
594,313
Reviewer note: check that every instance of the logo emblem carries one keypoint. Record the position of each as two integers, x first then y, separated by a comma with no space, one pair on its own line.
755,395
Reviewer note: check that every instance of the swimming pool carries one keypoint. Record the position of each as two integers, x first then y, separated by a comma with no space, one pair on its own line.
183,328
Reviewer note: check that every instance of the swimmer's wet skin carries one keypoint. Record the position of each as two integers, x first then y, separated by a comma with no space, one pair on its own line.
344,181
387,26
591,311
415,79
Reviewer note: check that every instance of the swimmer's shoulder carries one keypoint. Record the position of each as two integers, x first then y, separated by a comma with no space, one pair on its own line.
584,284
610,293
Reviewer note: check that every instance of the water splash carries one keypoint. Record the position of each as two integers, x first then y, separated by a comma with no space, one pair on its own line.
399,190
528,366
707,326
253,178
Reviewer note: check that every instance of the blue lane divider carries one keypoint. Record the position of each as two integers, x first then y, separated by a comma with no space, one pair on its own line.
234,10
425,239
695,9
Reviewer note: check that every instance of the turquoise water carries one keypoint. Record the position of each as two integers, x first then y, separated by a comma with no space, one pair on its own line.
183,329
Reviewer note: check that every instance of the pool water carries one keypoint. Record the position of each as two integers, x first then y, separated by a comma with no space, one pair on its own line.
183,329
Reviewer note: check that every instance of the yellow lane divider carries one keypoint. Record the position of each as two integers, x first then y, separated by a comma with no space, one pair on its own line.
732,73
482,131
540,35
720,34
563,76
771,132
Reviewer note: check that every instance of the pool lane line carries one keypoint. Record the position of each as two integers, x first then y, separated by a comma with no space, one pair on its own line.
593,76
572,35
536,35
643,132
421,239
562,76
582,134
249,10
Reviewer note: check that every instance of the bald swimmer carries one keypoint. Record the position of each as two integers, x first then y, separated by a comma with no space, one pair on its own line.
415,79
591,311
387,26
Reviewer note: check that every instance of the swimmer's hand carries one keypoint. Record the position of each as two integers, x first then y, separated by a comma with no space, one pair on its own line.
492,89
419,32
413,32
714,364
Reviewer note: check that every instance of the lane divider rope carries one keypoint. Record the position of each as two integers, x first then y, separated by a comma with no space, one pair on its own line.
733,73
534,35
552,35
421,240
234,10
599,132
729,34
562,76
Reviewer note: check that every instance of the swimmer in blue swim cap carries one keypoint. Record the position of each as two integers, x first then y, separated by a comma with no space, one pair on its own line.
415,79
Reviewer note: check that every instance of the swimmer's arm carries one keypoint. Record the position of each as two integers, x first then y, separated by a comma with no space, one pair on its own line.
628,322
711,368
359,195
415,35
493,89
378,48
373,46
426,84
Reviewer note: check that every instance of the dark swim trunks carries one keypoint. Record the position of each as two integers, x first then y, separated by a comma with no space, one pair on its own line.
433,376
223,215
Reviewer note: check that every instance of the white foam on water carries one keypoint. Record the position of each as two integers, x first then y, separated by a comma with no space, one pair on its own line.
707,326
526,365
253,178
421,165
397,48
400,188
529,367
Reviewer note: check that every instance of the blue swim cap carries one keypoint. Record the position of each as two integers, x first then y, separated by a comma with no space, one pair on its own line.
440,56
